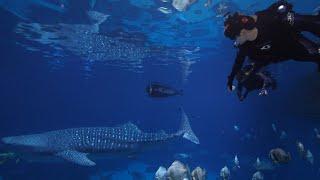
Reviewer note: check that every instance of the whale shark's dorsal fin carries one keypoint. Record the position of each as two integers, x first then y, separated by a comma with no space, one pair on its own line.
98,16
76,157
130,126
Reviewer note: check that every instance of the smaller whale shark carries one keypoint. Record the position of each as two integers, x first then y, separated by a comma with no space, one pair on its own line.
75,144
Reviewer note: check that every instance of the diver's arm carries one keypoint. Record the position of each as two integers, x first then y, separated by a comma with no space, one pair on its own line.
236,67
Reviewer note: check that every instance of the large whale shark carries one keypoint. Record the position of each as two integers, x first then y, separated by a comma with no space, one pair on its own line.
76,143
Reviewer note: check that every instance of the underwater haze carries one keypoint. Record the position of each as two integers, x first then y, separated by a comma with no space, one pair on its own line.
87,63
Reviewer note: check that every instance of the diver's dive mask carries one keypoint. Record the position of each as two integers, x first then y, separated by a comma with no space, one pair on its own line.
235,23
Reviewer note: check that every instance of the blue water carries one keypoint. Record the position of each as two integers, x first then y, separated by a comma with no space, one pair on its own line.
58,72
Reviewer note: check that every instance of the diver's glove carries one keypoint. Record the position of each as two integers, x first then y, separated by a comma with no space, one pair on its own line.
263,92
230,83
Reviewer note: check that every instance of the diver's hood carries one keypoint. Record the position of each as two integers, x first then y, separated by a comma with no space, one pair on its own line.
235,23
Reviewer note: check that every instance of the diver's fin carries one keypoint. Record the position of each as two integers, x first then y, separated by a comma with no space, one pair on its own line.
185,129
76,157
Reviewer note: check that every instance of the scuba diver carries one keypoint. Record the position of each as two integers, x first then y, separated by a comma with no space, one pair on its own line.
261,80
159,90
271,36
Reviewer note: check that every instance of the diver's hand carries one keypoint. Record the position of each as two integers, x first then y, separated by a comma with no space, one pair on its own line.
230,84
263,92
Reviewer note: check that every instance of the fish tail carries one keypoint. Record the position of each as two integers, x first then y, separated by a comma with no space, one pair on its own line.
185,129
98,17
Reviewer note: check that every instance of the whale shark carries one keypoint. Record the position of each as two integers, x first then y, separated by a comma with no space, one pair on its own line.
75,144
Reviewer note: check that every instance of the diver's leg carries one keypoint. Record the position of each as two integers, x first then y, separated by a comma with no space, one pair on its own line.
309,58
310,23
309,47
304,49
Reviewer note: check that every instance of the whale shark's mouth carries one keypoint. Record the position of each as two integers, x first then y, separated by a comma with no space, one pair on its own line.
7,140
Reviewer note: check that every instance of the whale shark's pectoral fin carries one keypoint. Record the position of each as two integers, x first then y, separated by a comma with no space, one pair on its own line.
76,157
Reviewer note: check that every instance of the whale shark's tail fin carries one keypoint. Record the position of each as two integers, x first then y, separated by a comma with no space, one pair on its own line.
98,17
185,129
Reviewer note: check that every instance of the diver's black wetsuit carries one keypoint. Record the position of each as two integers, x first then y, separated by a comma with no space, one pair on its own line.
279,39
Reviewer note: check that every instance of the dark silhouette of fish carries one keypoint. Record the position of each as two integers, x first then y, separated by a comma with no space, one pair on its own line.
279,156
161,91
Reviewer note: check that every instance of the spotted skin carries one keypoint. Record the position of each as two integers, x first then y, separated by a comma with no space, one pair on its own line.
103,139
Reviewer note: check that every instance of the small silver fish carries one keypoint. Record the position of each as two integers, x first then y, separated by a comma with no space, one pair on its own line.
182,5
236,162
198,174
236,127
263,165
165,10
182,156
274,128
283,135
258,162
316,131
225,173
300,148
161,173
309,157
257,176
